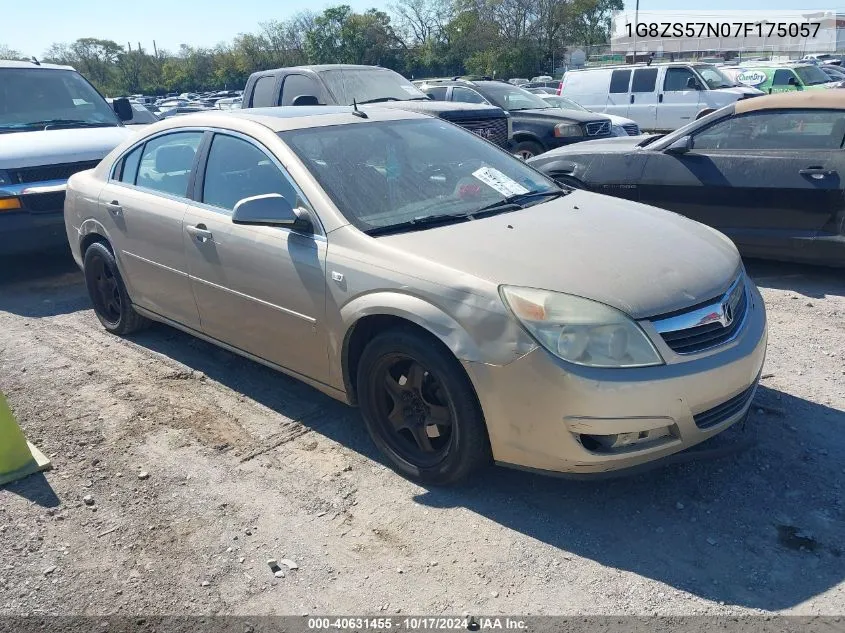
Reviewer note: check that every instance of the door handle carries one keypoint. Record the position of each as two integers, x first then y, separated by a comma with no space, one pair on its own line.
816,172
114,207
632,98
200,232
660,98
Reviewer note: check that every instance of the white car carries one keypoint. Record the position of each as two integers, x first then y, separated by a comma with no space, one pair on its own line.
621,126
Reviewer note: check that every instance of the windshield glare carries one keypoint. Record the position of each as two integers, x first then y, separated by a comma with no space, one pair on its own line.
44,94
713,77
566,104
510,97
811,75
364,86
383,173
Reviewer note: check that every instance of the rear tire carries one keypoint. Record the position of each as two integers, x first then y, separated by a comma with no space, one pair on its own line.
421,409
527,149
108,293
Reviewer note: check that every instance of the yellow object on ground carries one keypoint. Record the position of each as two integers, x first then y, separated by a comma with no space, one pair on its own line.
18,458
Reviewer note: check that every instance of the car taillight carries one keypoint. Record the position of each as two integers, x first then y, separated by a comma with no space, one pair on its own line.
560,88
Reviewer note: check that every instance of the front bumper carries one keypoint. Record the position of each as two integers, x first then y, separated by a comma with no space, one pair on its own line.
39,225
543,413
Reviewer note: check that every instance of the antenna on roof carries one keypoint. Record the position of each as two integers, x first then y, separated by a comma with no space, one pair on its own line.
35,61
356,111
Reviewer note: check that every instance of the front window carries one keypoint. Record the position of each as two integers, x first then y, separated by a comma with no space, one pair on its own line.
811,75
389,173
370,86
510,97
713,77
46,98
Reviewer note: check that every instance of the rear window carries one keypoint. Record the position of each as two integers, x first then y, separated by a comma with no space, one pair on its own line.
644,80
619,80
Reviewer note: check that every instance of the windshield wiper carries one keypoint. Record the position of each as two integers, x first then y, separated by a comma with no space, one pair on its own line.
422,222
379,100
69,122
517,201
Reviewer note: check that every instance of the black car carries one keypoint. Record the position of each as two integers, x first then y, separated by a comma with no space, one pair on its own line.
537,125
347,84
767,172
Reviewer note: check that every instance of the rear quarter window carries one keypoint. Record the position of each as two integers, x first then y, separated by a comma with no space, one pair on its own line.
264,92
619,81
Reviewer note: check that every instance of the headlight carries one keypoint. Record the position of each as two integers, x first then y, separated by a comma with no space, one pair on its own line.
579,330
618,130
564,130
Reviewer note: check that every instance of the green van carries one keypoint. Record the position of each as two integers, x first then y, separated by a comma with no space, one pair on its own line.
785,78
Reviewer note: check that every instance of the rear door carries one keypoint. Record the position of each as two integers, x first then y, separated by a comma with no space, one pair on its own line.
144,205
642,106
679,100
769,179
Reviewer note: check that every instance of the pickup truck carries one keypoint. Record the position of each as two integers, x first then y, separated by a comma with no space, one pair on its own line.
343,84
53,123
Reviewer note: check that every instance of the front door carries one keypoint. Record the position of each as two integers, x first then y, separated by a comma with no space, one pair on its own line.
145,204
679,101
261,289
767,179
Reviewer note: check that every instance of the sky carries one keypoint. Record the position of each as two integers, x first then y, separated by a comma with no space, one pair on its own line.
39,23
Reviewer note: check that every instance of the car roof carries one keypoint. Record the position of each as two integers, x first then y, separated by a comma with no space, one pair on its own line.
323,67
284,118
11,63
816,99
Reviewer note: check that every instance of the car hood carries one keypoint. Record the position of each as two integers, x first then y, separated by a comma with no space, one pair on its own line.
559,114
638,259
47,147
449,110
610,145
742,90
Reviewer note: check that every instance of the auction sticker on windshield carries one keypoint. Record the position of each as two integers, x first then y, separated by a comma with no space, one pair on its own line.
495,179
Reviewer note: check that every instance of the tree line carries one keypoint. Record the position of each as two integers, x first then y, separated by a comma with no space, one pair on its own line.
418,38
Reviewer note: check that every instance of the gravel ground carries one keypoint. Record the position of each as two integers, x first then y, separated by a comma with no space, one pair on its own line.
200,466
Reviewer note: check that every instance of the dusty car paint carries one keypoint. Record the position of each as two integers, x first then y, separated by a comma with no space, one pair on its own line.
447,280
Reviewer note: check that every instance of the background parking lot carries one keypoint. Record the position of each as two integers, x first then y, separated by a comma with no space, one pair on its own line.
202,465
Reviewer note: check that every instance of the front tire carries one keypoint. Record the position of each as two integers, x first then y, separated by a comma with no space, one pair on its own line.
527,149
421,409
108,292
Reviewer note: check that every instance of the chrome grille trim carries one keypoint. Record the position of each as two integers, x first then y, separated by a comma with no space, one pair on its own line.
705,327
598,128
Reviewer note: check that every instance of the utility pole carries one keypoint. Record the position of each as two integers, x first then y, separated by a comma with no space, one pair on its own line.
636,21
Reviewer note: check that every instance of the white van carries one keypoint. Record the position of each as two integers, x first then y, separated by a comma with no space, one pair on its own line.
660,97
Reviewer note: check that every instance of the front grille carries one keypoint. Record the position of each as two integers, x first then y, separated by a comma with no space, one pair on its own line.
632,129
702,337
494,130
51,202
598,128
725,411
61,171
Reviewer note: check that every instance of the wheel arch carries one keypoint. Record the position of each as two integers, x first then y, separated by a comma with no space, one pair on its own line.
371,314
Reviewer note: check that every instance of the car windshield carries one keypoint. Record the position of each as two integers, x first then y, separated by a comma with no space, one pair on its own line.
370,86
566,104
510,97
714,77
385,173
811,75
35,98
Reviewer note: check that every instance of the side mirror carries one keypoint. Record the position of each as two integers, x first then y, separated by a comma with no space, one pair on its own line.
271,209
122,108
692,84
680,146
306,100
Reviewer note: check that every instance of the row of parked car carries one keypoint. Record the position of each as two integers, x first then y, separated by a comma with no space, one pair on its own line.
362,243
